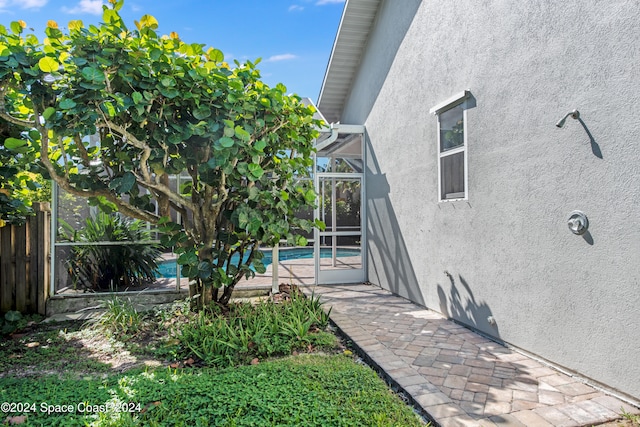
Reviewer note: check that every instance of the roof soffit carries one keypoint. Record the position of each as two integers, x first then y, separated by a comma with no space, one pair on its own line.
358,18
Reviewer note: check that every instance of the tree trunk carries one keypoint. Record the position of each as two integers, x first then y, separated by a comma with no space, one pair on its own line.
226,295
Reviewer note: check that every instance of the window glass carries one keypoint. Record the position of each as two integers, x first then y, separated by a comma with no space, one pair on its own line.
451,128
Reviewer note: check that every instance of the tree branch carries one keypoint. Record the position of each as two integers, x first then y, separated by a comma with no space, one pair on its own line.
83,151
11,119
146,180
124,207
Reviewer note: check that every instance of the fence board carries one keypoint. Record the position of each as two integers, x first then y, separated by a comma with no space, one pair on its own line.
7,277
20,250
24,263
32,254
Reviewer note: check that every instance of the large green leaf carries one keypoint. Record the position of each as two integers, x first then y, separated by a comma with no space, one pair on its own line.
93,75
260,145
188,258
48,112
256,171
109,108
16,27
204,269
67,104
48,64
110,16
14,143
169,92
128,181
215,55
226,142
242,134
12,316
259,266
148,21
168,81
202,112
137,97
310,196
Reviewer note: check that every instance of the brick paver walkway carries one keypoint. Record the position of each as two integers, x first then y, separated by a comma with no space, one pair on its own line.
458,377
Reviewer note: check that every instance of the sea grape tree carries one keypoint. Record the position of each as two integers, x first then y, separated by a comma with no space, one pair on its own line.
114,112
21,182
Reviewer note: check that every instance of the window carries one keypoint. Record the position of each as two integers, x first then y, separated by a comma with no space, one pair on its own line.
452,148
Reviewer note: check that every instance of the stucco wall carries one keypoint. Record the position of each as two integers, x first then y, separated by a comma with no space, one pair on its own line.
508,250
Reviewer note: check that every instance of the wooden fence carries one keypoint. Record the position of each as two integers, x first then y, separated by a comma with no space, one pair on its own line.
24,263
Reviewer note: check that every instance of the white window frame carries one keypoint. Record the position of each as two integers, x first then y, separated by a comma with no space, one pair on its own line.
454,101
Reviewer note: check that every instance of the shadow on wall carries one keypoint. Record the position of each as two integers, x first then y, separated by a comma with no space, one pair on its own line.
381,53
463,307
389,263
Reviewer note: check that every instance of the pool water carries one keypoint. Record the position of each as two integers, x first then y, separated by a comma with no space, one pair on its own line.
167,269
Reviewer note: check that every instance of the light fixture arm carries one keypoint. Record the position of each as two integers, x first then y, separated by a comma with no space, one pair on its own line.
575,114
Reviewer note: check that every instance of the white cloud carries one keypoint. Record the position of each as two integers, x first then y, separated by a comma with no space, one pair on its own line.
93,7
23,4
32,4
283,57
295,7
325,2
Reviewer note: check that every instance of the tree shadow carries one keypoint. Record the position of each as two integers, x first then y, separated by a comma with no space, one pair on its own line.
390,265
461,306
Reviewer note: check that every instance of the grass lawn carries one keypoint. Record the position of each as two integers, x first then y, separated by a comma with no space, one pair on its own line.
72,374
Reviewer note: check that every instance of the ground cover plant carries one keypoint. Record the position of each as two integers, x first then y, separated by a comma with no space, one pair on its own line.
144,363
303,390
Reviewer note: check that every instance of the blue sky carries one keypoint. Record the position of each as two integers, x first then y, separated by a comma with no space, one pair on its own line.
293,37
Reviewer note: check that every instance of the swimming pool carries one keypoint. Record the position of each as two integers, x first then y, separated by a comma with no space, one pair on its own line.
167,269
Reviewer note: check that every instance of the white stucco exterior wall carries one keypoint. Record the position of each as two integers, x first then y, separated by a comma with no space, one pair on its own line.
572,300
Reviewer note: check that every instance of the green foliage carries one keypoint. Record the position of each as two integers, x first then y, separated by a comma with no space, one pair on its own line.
263,330
119,318
11,322
111,266
632,418
20,181
115,111
304,390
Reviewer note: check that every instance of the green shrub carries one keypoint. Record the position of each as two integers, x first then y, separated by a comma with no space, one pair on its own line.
262,330
111,266
120,318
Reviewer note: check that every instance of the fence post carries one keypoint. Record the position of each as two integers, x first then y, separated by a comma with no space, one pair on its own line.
43,221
